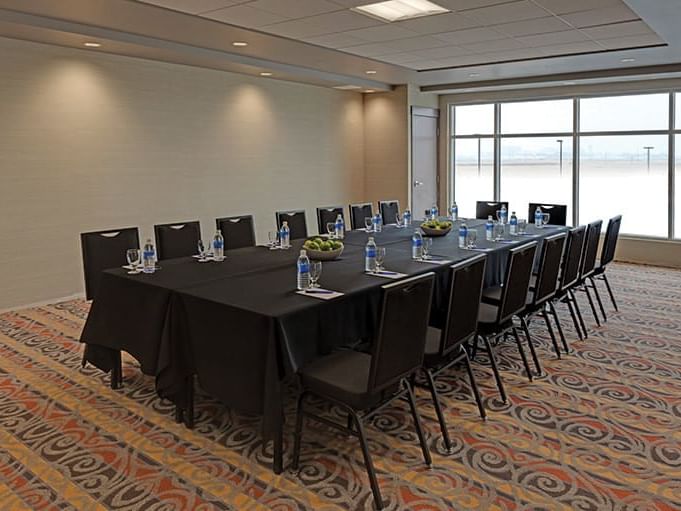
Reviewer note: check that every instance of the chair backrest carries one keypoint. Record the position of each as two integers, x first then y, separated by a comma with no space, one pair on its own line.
389,210
465,290
558,212
572,257
516,281
593,235
177,240
296,223
484,209
328,215
400,344
548,270
103,250
358,212
610,243
238,231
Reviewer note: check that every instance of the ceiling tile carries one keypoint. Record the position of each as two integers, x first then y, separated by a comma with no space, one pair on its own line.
400,58
464,60
444,52
295,8
351,3
534,26
193,6
438,23
244,16
369,50
380,33
631,41
595,17
566,7
628,28
338,40
464,5
568,48
487,46
340,21
506,13
416,43
566,36
472,35
425,64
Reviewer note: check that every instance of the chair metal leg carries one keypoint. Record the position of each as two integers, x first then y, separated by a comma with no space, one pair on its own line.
573,315
417,425
598,299
551,334
535,358
579,314
474,386
612,296
560,328
378,500
495,369
299,431
592,305
522,354
438,411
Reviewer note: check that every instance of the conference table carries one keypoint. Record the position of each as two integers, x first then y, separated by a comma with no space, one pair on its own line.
240,328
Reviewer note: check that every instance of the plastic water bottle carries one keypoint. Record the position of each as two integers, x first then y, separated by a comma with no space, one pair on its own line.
377,222
340,227
489,229
513,224
538,217
434,212
454,212
149,257
407,218
463,232
303,271
417,245
370,255
503,215
285,235
218,246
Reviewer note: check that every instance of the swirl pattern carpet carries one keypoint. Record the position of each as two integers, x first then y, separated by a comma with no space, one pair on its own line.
600,431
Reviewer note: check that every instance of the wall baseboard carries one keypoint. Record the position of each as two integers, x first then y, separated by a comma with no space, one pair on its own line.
665,253
42,303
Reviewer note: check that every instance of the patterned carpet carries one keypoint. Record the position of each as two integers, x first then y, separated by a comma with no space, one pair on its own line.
601,431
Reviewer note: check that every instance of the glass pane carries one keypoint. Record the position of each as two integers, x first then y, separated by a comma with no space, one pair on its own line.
625,175
473,173
474,120
677,115
677,186
537,117
536,170
625,113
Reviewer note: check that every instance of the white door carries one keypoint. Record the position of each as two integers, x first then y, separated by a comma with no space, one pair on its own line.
424,144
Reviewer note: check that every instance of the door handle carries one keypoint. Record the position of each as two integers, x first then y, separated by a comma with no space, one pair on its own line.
417,183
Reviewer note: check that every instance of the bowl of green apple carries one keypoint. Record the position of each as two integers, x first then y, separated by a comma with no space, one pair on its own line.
323,250
436,227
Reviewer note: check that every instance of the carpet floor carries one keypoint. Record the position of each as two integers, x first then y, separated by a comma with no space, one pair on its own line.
601,430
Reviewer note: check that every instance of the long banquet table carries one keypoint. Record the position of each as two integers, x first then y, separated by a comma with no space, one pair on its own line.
240,328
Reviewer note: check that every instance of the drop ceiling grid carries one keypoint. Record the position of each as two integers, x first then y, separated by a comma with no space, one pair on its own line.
475,32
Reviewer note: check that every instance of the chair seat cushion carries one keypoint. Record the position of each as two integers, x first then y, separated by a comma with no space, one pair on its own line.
432,353
487,320
342,376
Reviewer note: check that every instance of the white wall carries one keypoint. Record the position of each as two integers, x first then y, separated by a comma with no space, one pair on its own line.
91,141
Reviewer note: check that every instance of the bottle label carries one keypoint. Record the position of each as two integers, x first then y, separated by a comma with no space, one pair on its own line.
218,244
371,252
417,242
303,268
148,254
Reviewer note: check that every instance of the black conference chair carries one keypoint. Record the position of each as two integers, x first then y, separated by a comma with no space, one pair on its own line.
238,231
177,240
296,223
496,320
328,215
362,384
358,212
608,255
445,347
558,212
569,277
389,210
484,209
103,250
588,268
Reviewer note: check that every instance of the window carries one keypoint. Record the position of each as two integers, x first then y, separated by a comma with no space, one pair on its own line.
474,120
618,177
625,113
474,170
537,117
677,180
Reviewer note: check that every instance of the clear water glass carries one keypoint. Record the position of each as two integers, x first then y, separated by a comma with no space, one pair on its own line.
331,229
202,250
471,238
273,238
427,245
133,257
545,218
498,231
522,226
315,273
398,220
368,222
380,257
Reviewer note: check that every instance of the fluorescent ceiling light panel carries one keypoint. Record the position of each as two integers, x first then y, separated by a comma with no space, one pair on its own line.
400,10
347,87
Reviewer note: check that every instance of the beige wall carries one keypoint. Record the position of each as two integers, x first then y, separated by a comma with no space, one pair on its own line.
90,141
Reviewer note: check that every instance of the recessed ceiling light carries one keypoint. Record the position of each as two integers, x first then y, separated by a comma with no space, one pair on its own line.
473,75
265,73
569,83
92,45
400,10
627,60
370,72
369,91
347,87
239,43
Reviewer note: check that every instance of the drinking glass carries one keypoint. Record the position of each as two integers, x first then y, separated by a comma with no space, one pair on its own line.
427,245
202,250
398,220
133,257
380,257
545,217
315,273
368,222
522,226
471,239
499,215
273,237
498,231
331,229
